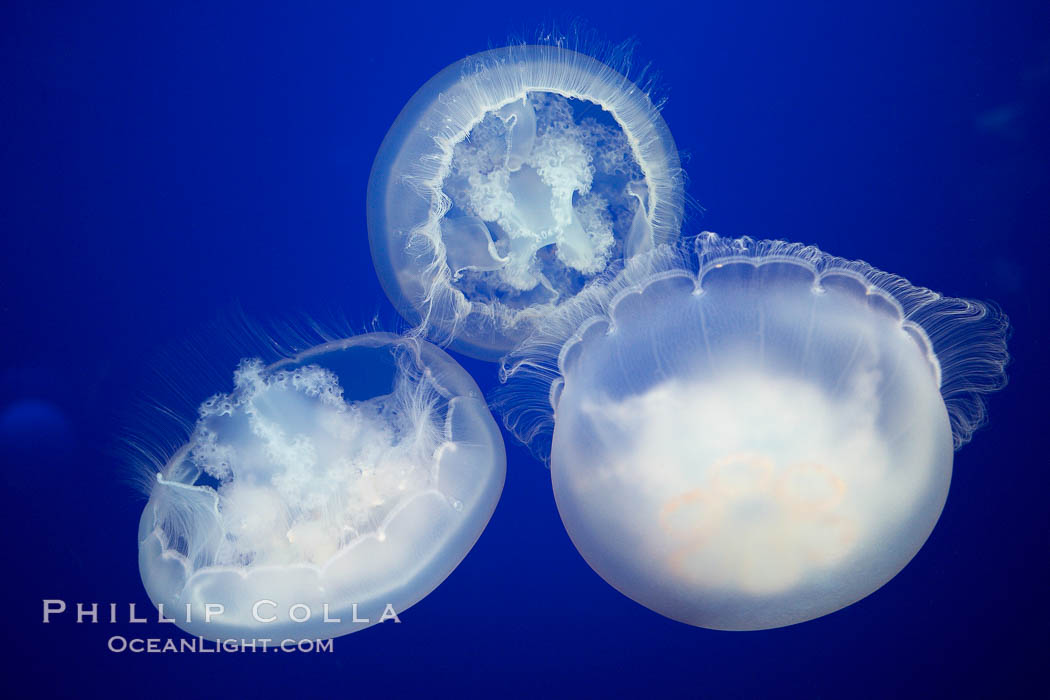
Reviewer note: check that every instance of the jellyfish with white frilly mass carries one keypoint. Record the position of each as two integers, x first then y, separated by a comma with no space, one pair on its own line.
327,492
509,182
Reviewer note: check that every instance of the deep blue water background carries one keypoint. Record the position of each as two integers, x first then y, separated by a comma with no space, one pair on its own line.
169,167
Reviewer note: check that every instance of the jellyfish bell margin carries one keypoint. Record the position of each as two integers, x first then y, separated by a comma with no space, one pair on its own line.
508,182
324,492
759,435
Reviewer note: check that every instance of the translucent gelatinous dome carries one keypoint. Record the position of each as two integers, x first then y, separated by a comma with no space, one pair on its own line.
351,477
510,181
763,441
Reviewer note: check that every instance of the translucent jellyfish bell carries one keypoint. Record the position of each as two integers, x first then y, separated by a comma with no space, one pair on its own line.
328,486
508,182
762,442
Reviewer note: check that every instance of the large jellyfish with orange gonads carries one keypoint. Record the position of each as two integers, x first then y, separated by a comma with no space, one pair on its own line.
755,435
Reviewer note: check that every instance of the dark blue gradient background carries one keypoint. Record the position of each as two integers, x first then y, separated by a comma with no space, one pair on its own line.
168,167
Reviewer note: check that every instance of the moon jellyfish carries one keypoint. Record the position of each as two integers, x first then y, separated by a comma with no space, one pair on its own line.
762,440
507,183
326,492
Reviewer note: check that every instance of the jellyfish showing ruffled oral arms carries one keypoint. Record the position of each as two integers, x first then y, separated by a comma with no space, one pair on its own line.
761,442
508,182
344,483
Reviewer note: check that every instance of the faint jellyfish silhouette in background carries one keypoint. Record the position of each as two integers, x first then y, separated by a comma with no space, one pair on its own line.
354,475
758,442
32,420
511,180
